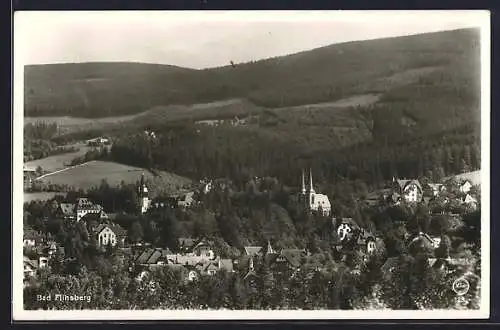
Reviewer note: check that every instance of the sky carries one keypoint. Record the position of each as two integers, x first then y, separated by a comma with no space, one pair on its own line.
210,39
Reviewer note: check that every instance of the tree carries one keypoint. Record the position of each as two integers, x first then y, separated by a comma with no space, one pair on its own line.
136,233
444,248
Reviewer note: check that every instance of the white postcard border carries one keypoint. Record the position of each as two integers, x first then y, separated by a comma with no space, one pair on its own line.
478,18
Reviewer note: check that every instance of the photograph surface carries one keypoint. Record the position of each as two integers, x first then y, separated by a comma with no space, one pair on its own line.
200,165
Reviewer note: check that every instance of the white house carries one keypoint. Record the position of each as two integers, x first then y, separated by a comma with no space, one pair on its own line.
84,207
465,186
470,202
108,234
410,190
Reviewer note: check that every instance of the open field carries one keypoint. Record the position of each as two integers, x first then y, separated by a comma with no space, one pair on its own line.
91,174
41,196
58,162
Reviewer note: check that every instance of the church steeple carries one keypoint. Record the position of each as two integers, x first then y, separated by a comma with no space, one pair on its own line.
143,189
303,190
311,187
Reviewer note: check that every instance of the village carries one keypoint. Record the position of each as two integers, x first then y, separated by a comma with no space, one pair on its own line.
195,257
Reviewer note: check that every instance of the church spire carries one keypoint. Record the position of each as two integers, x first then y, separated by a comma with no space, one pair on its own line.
303,190
311,187
270,249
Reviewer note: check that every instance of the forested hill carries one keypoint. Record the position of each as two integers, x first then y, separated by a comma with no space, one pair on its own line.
387,67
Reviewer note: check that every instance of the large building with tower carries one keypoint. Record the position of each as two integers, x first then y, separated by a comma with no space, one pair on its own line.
312,200
144,199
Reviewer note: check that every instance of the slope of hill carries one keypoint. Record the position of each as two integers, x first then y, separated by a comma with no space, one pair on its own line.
321,75
88,175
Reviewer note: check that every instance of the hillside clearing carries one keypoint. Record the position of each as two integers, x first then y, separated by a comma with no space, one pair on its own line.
91,174
57,162
40,196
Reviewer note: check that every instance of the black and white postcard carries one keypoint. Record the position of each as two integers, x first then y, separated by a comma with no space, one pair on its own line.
251,165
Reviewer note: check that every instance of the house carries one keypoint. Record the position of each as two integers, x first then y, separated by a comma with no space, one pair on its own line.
290,259
344,227
66,211
465,186
436,188
206,186
470,202
84,206
203,248
313,201
425,241
30,238
185,244
98,141
410,190
30,267
186,200
108,234
350,235
150,257
208,268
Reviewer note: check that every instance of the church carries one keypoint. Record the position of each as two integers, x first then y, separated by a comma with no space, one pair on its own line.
144,195
313,201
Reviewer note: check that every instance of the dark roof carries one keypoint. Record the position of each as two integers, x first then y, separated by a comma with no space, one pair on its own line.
144,256
84,203
91,217
32,263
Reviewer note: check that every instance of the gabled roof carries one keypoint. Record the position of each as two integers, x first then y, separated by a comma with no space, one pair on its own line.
154,257
253,250
33,264
436,186
403,183
67,209
210,266
144,256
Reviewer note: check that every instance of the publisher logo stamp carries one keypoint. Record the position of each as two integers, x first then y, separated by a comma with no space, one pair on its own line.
461,286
